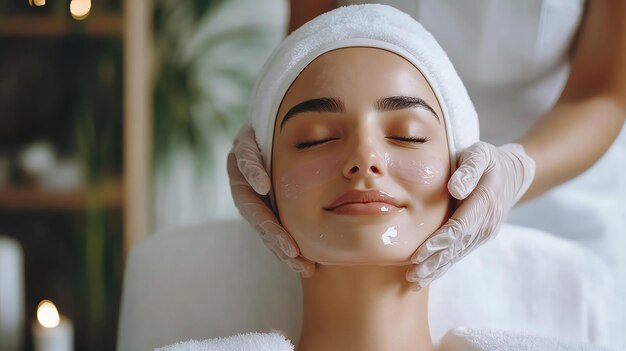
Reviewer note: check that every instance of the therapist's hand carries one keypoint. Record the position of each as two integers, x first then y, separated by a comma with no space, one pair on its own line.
249,185
489,180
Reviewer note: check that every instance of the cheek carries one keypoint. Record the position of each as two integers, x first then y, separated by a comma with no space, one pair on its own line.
426,180
426,171
304,177
299,190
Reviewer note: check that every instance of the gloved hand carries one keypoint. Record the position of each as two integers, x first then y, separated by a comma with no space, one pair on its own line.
248,183
491,180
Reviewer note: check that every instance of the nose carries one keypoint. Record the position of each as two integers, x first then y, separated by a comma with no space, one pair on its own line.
365,159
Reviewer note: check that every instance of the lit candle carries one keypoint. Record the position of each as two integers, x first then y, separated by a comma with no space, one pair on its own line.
52,332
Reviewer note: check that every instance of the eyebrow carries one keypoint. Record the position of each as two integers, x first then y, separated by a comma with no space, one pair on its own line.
394,103
335,105
315,105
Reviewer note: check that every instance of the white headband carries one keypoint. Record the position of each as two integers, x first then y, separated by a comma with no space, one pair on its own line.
370,25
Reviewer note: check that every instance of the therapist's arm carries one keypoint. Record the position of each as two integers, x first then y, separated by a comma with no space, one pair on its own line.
592,108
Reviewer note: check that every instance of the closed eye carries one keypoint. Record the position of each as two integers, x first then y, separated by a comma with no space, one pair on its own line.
308,144
410,139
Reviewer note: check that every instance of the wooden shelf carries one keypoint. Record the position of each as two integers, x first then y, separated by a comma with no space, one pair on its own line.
101,25
130,22
30,198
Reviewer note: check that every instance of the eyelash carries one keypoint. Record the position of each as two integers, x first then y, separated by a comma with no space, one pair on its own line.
308,144
412,139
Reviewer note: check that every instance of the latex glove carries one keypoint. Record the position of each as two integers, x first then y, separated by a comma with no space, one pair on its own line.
491,180
248,184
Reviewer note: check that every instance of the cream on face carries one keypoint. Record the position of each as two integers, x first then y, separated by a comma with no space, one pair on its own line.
378,131
428,171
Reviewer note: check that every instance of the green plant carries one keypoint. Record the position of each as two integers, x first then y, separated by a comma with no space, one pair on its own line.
206,67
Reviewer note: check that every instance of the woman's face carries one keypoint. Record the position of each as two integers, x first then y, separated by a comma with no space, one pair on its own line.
360,122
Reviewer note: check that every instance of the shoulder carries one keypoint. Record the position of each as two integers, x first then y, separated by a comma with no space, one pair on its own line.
274,341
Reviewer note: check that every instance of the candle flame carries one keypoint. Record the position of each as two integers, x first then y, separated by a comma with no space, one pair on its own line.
79,9
47,314
37,2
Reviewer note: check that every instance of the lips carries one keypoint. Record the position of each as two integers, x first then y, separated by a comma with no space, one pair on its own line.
357,202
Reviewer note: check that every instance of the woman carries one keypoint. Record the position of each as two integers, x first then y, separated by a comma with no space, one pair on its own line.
360,151
362,184
360,116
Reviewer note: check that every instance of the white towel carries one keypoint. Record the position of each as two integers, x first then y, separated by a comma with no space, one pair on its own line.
273,341
459,339
369,25
470,339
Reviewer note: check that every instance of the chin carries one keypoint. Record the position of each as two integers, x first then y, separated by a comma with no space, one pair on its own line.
372,242
368,262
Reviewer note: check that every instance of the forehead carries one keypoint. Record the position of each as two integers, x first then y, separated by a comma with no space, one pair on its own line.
358,76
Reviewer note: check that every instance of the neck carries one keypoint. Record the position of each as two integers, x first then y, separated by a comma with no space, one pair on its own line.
363,308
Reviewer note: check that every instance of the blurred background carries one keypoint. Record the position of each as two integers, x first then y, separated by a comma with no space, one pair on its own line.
116,117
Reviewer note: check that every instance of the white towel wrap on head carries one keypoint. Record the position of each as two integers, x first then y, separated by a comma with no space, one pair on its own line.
370,25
